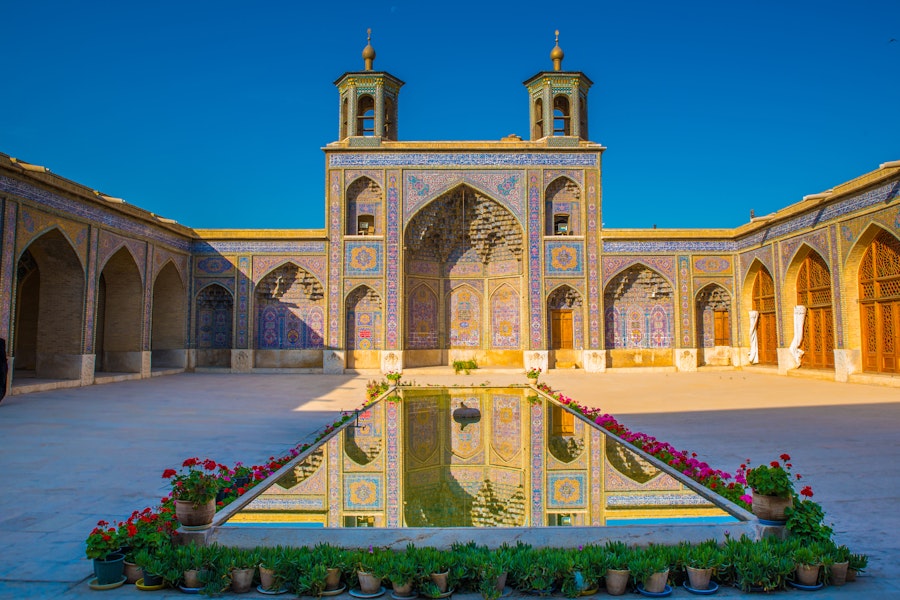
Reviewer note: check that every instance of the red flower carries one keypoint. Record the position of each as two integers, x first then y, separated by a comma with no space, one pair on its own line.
169,473
785,457
209,465
807,491
799,476
774,464
191,462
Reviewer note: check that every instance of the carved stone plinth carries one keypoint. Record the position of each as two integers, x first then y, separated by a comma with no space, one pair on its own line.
686,359
594,361
333,362
391,360
241,361
536,359
846,363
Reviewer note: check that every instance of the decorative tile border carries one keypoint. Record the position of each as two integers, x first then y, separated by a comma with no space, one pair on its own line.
334,282
392,316
363,259
420,187
593,258
253,247
334,483
467,159
837,307
394,473
537,464
243,301
563,258
7,266
534,261
684,280
596,476
92,284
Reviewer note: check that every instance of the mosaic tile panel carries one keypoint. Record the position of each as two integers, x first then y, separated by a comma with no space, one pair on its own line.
180,261
243,302
817,240
334,483
563,258
853,228
837,271
34,223
505,318
88,339
424,267
213,265
465,318
537,464
109,244
763,255
392,262
566,490
92,213
576,175
420,187
613,265
263,265
504,267
596,476
536,300
375,175
393,472
214,318
363,492
290,326
454,159
364,321
506,427
592,184
684,282
467,444
422,308
7,268
363,259
257,247
640,325
334,285
476,284
712,265
148,297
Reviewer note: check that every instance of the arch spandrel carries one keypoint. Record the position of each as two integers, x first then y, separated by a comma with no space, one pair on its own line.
420,188
78,242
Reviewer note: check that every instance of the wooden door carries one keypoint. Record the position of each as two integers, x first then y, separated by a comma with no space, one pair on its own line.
879,299
814,292
561,329
767,329
722,328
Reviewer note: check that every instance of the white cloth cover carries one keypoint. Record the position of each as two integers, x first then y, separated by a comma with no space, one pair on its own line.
799,318
753,355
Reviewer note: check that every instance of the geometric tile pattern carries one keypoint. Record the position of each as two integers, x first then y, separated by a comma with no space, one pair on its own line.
420,187
455,159
534,264
593,259
563,258
566,490
362,258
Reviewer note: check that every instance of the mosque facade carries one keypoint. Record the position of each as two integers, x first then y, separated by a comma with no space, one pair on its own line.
434,252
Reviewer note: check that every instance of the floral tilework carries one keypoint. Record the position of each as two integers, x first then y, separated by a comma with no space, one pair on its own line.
454,159
243,301
6,262
363,492
537,463
363,259
566,490
505,318
534,261
420,187
563,258
392,266
684,280
592,186
613,265
334,285
393,473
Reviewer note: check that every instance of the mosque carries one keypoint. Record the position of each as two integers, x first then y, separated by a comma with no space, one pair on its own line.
434,252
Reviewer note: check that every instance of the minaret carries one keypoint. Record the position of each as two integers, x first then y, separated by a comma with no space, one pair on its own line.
368,100
558,100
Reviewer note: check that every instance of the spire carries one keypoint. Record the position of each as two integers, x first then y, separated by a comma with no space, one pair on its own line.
368,52
556,55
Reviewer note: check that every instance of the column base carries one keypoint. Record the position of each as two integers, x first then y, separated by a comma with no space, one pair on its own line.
391,360
333,362
594,361
241,361
846,363
686,359
536,359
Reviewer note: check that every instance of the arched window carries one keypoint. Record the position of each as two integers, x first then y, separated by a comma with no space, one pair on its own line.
538,119
366,116
561,115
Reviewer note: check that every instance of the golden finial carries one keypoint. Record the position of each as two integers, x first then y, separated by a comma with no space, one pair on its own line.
556,55
369,52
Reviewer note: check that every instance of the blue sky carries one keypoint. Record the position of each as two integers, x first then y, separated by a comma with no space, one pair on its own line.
214,113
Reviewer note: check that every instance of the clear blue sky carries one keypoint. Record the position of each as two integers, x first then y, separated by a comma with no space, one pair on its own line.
214,113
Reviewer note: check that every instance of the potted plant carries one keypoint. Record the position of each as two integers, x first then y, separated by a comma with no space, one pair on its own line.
839,563
194,491
273,563
701,563
533,374
857,565
102,546
808,562
243,569
618,556
368,570
773,489
152,568
650,567
335,560
402,568
393,377
805,519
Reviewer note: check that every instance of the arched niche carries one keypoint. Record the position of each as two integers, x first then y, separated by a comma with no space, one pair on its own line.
639,317
364,328
214,314
562,208
807,282
119,322
714,318
168,318
365,208
290,318
877,291
758,293
565,326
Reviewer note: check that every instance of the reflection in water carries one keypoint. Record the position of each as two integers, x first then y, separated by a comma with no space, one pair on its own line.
474,457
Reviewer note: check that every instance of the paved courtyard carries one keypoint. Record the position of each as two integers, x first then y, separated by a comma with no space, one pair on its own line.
74,456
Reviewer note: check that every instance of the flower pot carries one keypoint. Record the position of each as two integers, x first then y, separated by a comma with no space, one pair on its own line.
242,580
770,508
838,573
151,579
501,581
656,583
192,579
851,574
333,579
532,380
132,572
699,578
617,581
197,518
110,569
807,574
404,589
368,583
266,578
440,580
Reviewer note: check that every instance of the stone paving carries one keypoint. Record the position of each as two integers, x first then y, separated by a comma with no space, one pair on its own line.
74,456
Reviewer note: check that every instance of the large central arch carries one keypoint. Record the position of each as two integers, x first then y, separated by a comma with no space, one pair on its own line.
464,274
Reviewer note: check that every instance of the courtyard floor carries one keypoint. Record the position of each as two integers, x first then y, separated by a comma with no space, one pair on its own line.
74,456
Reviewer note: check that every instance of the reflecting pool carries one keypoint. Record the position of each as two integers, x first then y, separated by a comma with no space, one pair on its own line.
475,457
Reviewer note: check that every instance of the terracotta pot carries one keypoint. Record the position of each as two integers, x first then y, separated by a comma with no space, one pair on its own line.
403,590
807,574
242,580
699,578
192,579
617,581
266,578
440,580
770,508
501,581
851,574
656,583
838,573
333,579
368,583
197,518
132,572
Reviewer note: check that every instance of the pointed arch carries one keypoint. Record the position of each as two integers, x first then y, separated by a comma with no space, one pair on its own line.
505,317
562,207
168,318
120,309
640,309
214,314
758,293
807,282
464,308
365,207
422,319
290,309
565,318
851,284
714,311
365,322
878,294
49,309
23,244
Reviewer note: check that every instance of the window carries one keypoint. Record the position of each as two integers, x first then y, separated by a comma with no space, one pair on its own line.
561,125
561,224
365,225
366,118
538,120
